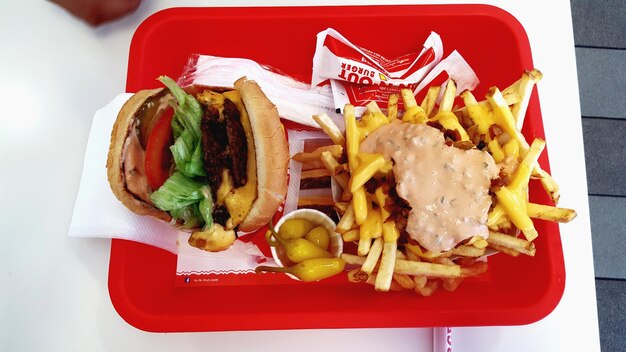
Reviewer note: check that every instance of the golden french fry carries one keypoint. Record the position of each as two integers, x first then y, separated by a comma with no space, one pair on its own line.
342,168
505,250
394,285
351,235
450,284
511,147
473,240
524,170
474,269
548,183
352,259
468,251
346,196
387,263
370,121
504,118
369,165
514,243
419,281
335,150
408,99
496,215
512,198
371,228
449,94
515,209
524,90
429,287
445,116
428,104
374,109
443,260
415,249
481,116
496,150
403,280
331,164
510,97
381,198
390,232
347,220
352,136
328,126
550,213
479,242
392,107
512,89
359,204
373,255
408,256
415,114
426,269
356,275
341,207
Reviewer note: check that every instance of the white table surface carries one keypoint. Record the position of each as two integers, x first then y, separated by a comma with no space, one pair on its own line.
55,72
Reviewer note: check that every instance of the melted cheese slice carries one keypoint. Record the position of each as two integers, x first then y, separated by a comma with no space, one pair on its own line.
238,201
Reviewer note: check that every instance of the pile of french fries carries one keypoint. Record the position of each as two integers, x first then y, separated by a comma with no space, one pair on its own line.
385,257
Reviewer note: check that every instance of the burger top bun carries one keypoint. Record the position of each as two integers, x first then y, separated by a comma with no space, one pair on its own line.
272,154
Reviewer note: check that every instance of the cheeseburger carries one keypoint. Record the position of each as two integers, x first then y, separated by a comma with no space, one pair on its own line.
208,160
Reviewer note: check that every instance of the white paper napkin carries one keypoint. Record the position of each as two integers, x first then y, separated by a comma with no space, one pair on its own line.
97,213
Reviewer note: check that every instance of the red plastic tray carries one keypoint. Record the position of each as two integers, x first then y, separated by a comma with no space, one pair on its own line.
514,291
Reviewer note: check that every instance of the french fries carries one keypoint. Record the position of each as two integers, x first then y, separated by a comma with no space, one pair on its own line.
335,150
385,256
328,126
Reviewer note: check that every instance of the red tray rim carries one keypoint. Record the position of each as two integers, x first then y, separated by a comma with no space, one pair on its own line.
125,307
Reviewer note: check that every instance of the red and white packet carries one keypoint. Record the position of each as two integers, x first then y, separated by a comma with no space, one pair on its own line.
358,75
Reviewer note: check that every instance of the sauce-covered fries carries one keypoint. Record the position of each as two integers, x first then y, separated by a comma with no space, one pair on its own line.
425,204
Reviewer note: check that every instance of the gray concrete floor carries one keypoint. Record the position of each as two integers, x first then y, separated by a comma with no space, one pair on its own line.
600,39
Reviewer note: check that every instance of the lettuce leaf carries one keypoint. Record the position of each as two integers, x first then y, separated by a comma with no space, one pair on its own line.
189,215
187,148
185,199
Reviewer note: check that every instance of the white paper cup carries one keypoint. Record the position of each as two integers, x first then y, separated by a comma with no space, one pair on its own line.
335,247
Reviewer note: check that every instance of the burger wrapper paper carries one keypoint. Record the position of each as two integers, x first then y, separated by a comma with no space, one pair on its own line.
97,213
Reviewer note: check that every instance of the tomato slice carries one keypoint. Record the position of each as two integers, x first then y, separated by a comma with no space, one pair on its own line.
158,154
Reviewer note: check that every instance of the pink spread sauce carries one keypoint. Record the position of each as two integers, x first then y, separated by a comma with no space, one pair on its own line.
446,187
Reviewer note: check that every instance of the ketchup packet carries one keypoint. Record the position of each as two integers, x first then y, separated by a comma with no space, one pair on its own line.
358,75
455,67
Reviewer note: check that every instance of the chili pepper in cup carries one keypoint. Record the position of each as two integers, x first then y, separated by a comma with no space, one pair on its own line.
311,269
319,236
298,249
295,228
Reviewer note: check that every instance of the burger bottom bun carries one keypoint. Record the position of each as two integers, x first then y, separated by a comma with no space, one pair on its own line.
115,159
